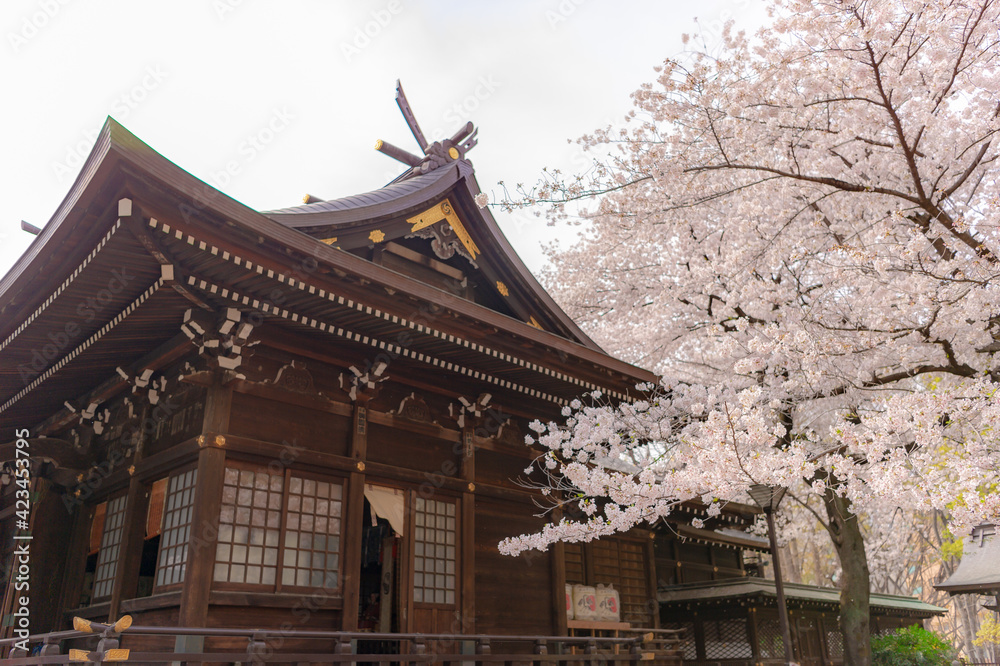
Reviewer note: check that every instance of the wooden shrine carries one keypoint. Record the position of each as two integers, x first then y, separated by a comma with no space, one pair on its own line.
310,418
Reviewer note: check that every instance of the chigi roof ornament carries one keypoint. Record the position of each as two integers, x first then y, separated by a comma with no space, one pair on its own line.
436,154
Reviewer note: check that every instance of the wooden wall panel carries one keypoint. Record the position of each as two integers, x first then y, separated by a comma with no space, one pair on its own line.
498,469
271,421
513,594
303,616
413,451
160,617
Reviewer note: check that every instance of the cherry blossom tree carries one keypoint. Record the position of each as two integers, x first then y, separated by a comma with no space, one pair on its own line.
799,232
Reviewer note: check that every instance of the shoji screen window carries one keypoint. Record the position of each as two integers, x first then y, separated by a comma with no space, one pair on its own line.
278,530
434,552
111,540
175,528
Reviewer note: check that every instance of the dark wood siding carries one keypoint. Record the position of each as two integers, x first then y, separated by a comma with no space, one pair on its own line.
513,594
272,421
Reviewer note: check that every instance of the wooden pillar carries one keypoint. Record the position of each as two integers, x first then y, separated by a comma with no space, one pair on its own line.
218,406
49,523
76,558
130,550
134,531
354,517
752,635
205,512
468,533
699,637
204,531
558,560
654,604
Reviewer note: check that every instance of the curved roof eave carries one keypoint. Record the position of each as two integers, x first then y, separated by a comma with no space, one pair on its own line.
54,231
513,260
391,199
415,193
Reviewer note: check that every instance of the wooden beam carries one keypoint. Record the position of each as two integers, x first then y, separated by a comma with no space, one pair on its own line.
237,444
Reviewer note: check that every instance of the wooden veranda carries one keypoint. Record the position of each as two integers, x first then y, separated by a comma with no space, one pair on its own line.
191,645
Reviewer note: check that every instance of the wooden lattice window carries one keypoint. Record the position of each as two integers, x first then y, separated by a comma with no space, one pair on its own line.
688,645
111,539
312,534
621,563
279,530
835,644
769,641
175,528
434,552
727,639
576,573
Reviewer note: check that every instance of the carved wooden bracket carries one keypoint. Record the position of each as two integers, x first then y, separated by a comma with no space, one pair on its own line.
223,341
366,384
468,412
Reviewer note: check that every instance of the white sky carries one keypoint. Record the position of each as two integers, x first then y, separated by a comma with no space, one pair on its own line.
195,79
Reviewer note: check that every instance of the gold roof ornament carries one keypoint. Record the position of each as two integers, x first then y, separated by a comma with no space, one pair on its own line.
444,211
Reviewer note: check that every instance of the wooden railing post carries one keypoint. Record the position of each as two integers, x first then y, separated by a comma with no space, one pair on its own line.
541,647
346,647
482,647
50,646
591,652
419,648
256,649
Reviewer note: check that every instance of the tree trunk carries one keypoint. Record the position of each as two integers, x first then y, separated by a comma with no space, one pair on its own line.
854,580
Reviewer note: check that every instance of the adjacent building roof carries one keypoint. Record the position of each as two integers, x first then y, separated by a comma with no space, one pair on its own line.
797,595
979,570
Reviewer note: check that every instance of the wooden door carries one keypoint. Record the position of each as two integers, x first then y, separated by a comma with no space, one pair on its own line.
810,648
434,564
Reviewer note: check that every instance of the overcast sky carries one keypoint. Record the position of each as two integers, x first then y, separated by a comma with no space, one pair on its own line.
271,100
